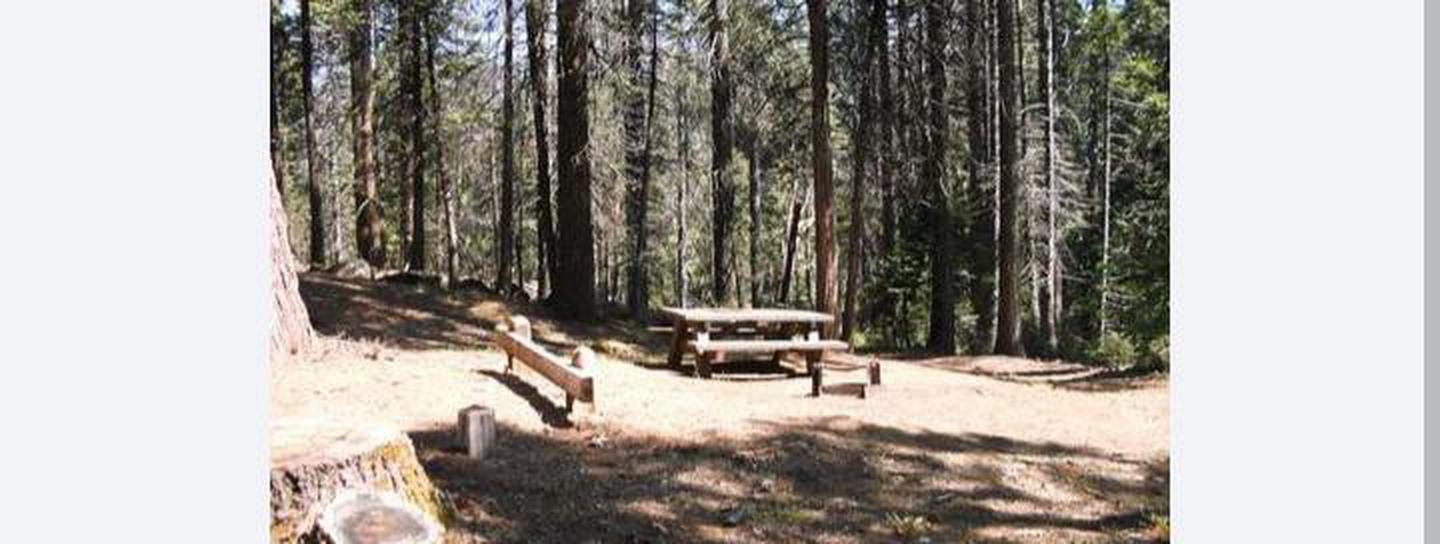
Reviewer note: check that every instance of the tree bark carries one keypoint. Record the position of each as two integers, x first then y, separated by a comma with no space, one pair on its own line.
535,15
277,59
723,141
576,250
639,108
682,284
1051,289
318,256
861,159
826,284
415,155
792,236
369,230
1105,201
1007,326
941,336
291,333
981,197
447,192
312,463
888,161
503,277
753,144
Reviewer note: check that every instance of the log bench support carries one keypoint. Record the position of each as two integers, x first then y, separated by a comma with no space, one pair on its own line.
574,376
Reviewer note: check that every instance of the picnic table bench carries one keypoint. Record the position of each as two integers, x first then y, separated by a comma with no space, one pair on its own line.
711,333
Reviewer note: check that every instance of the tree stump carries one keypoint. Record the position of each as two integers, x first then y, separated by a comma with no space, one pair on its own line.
475,430
313,463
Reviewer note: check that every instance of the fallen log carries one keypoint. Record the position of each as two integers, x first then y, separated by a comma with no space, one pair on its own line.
317,464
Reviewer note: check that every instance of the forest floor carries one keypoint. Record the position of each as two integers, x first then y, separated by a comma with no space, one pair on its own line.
950,449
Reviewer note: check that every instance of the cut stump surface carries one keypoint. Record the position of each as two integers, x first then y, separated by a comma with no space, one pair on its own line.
314,461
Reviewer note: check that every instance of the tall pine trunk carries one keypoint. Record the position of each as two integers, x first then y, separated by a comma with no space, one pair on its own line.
503,278
792,236
414,156
1051,288
369,227
277,87
535,15
447,191
1007,325
826,277
723,141
682,134
1105,200
575,282
646,174
753,146
318,256
982,218
888,160
861,158
941,336
638,111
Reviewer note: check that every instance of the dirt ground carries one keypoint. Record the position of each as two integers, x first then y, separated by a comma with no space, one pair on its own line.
952,449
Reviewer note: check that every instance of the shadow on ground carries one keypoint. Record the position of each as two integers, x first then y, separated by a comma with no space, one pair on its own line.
422,315
807,481
1055,373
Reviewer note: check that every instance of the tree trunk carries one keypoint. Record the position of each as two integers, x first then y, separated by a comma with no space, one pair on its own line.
682,285
722,139
861,160
318,256
941,337
1105,205
290,334
369,230
447,192
639,108
887,163
754,155
1007,327
826,283
503,278
575,282
535,15
277,86
415,155
1050,292
646,173
313,462
982,220
792,236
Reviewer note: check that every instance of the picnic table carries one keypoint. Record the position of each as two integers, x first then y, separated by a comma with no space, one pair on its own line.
712,333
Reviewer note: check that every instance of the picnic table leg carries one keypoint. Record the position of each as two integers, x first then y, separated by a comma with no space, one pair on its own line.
702,364
677,346
817,372
785,331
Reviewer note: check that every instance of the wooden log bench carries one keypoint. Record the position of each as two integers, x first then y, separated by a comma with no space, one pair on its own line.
573,376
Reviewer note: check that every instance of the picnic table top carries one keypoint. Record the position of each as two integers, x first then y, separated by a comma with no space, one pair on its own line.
747,315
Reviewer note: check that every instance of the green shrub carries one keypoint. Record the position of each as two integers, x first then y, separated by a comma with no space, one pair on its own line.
1160,351
1115,350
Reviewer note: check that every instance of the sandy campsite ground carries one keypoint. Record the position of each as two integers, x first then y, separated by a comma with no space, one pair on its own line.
949,449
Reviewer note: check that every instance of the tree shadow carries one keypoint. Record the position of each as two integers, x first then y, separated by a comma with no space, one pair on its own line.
415,316
810,480
1074,376
551,414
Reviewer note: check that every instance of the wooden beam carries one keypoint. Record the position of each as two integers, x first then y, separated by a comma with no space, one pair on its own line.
576,382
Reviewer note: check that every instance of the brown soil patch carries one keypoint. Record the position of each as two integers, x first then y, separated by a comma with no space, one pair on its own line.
952,449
